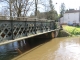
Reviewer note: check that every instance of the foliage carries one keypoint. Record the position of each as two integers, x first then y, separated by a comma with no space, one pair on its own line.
62,9
72,30
51,5
52,13
21,8
46,15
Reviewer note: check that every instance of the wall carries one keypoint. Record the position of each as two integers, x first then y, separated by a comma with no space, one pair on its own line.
70,18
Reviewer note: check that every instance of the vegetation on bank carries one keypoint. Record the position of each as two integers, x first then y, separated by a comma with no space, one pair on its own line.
72,30
62,33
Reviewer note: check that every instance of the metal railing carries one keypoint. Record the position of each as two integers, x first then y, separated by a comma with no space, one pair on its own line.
17,27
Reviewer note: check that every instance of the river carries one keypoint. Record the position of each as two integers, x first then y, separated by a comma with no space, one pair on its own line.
66,48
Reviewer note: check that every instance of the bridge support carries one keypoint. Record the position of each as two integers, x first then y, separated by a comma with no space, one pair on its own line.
56,33
50,35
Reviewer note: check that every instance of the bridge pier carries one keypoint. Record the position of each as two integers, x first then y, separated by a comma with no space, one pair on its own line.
50,35
56,33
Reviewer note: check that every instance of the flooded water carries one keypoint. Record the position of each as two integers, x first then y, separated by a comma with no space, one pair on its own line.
56,49
8,51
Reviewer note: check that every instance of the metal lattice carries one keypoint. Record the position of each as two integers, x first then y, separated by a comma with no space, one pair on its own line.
12,29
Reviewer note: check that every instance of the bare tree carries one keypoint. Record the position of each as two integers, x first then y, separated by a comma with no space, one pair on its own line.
19,7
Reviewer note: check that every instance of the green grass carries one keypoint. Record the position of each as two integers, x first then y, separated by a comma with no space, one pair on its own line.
72,30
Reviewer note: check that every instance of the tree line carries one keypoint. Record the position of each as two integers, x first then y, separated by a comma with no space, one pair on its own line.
21,8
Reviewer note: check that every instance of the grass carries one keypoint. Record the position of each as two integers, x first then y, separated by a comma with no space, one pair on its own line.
72,30
62,33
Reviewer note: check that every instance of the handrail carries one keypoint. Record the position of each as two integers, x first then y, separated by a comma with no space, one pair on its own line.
22,18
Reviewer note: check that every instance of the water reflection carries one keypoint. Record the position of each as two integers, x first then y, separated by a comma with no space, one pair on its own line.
8,51
56,49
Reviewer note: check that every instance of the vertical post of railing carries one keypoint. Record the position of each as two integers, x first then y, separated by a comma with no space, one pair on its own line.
50,24
11,18
26,26
46,25
35,25
53,24
41,27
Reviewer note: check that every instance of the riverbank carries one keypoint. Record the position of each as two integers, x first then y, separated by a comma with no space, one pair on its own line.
74,31
63,33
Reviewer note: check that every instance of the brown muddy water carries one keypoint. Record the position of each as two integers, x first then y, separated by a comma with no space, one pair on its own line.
56,49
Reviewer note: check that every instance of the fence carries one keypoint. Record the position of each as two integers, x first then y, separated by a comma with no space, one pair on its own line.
13,27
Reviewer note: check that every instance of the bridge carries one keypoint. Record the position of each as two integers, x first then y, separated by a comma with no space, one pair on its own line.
14,29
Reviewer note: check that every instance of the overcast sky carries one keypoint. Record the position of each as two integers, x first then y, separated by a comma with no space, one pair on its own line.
68,3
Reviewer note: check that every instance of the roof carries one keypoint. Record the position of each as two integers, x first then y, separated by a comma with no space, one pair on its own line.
72,11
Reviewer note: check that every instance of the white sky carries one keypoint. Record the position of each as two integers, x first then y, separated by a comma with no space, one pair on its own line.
68,4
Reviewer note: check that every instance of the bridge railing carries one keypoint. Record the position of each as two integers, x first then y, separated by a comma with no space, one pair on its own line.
13,27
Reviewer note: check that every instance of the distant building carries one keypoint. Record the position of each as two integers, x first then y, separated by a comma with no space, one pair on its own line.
71,17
